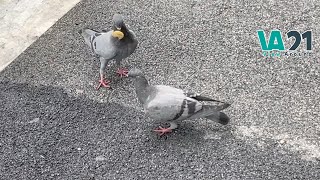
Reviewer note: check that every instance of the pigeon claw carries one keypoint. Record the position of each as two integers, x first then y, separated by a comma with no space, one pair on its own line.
103,83
122,72
161,131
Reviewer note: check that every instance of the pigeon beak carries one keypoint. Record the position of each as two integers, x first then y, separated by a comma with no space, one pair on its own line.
117,34
118,28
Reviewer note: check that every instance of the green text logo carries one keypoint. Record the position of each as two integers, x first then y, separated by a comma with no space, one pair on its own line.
276,43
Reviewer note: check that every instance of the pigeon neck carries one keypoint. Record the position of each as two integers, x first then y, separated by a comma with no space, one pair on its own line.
124,29
141,85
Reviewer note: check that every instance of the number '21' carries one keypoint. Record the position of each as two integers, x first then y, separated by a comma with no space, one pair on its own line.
297,36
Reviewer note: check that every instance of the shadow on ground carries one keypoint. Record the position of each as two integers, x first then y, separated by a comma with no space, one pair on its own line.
46,134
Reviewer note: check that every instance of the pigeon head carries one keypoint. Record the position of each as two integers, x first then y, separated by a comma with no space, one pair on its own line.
140,84
118,22
135,73
118,27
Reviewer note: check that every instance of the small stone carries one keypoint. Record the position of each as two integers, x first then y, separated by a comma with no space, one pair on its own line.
282,141
34,120
79,91
79,149
211,137
100,158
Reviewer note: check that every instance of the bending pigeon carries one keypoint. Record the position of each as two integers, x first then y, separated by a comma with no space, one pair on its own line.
168,104
117,44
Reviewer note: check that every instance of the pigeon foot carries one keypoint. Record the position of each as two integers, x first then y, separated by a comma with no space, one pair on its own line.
122,72
161,131
103,83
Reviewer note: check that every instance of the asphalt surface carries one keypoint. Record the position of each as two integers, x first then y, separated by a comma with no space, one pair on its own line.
55,125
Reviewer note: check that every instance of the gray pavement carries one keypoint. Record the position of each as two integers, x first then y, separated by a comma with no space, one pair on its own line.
55,125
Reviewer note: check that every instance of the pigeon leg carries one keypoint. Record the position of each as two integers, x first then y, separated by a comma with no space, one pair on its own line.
122,72
102,81
161,131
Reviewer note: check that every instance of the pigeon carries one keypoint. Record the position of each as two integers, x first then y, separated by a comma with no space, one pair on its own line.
117,44
168,104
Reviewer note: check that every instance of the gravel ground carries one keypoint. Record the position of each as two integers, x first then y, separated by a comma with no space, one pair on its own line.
55,125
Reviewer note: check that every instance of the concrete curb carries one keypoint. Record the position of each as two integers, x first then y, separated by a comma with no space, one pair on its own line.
22,22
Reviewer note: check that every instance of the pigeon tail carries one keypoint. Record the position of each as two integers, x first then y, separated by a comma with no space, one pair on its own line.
87,34
221,118
212,112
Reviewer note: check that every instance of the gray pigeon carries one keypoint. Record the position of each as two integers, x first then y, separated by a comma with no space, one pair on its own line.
117,44
168,104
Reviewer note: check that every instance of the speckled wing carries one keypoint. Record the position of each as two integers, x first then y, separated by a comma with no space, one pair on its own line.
100,43
170,104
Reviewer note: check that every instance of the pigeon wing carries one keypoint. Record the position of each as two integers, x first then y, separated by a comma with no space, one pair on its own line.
100,43
169,104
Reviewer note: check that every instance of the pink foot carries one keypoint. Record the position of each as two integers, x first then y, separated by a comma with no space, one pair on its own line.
103,83
122,72
161,131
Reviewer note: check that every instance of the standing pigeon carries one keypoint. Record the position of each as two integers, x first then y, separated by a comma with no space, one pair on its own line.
117,44
168,104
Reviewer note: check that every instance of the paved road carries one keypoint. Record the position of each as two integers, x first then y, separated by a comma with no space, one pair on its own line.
55,125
